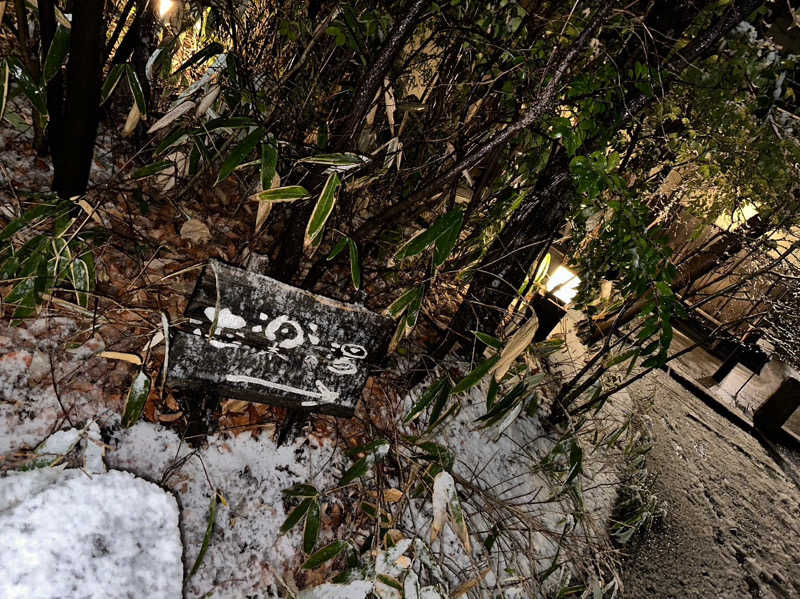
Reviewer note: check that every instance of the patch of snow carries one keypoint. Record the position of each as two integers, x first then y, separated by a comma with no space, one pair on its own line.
354,590
66,534
246,549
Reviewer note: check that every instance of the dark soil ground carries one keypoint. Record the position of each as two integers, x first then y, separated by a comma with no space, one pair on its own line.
732,528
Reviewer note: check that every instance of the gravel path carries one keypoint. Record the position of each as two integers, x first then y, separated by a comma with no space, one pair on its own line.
732,528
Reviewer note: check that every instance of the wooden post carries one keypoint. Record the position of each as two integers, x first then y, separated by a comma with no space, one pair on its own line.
773,413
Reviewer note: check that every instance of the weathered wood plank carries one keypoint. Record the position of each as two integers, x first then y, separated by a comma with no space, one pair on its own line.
276,344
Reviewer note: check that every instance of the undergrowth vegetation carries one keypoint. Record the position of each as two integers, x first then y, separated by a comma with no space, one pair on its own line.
475,171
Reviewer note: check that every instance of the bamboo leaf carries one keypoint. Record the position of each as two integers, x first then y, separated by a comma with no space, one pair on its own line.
355,264
492,342
458,519
518,343
440,232
355,471
321,212
137,396
33,89
151,169
136,89
269,161
337,249
79,274
295,516
441,400
171,116
311,530
397,306
323,555
474,377
209,51
502,407
301,490
44,209
619,358
447,240
240,153
375,453
4,72
114,75
290,193
575,462
212,518
57,53
344,159
425,399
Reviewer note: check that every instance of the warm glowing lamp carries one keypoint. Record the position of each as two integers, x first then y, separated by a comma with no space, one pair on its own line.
164,6
563,284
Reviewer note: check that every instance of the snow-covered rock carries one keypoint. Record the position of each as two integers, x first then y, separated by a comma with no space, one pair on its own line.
66,534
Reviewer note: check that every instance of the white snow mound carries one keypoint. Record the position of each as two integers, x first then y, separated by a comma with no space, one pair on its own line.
65,534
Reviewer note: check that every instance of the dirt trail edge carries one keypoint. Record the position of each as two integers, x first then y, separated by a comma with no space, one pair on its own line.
732,528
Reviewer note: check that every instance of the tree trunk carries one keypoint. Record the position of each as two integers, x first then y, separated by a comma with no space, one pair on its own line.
74,146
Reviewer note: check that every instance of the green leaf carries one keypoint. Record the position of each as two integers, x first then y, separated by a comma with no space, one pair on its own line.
38,211
619,358
441,400
357,470
136,89
491,394
209,51
323,555
151,169
345,159
508,402
401,303
492,342
575,462
269,161
239,153
447,240
137,396
4,73
440,232
296,514
79,273
290,193
300,490
33,89
425,399
378,450
337,249
114,75
322,211
474,377
311,530
212,518
355,264
57,53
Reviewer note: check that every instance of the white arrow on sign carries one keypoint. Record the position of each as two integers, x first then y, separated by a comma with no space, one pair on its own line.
323,393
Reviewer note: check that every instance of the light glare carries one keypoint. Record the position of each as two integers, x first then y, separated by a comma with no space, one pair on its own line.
164,7
563,284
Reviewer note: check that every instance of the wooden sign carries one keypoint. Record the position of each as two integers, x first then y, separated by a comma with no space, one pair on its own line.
254,338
